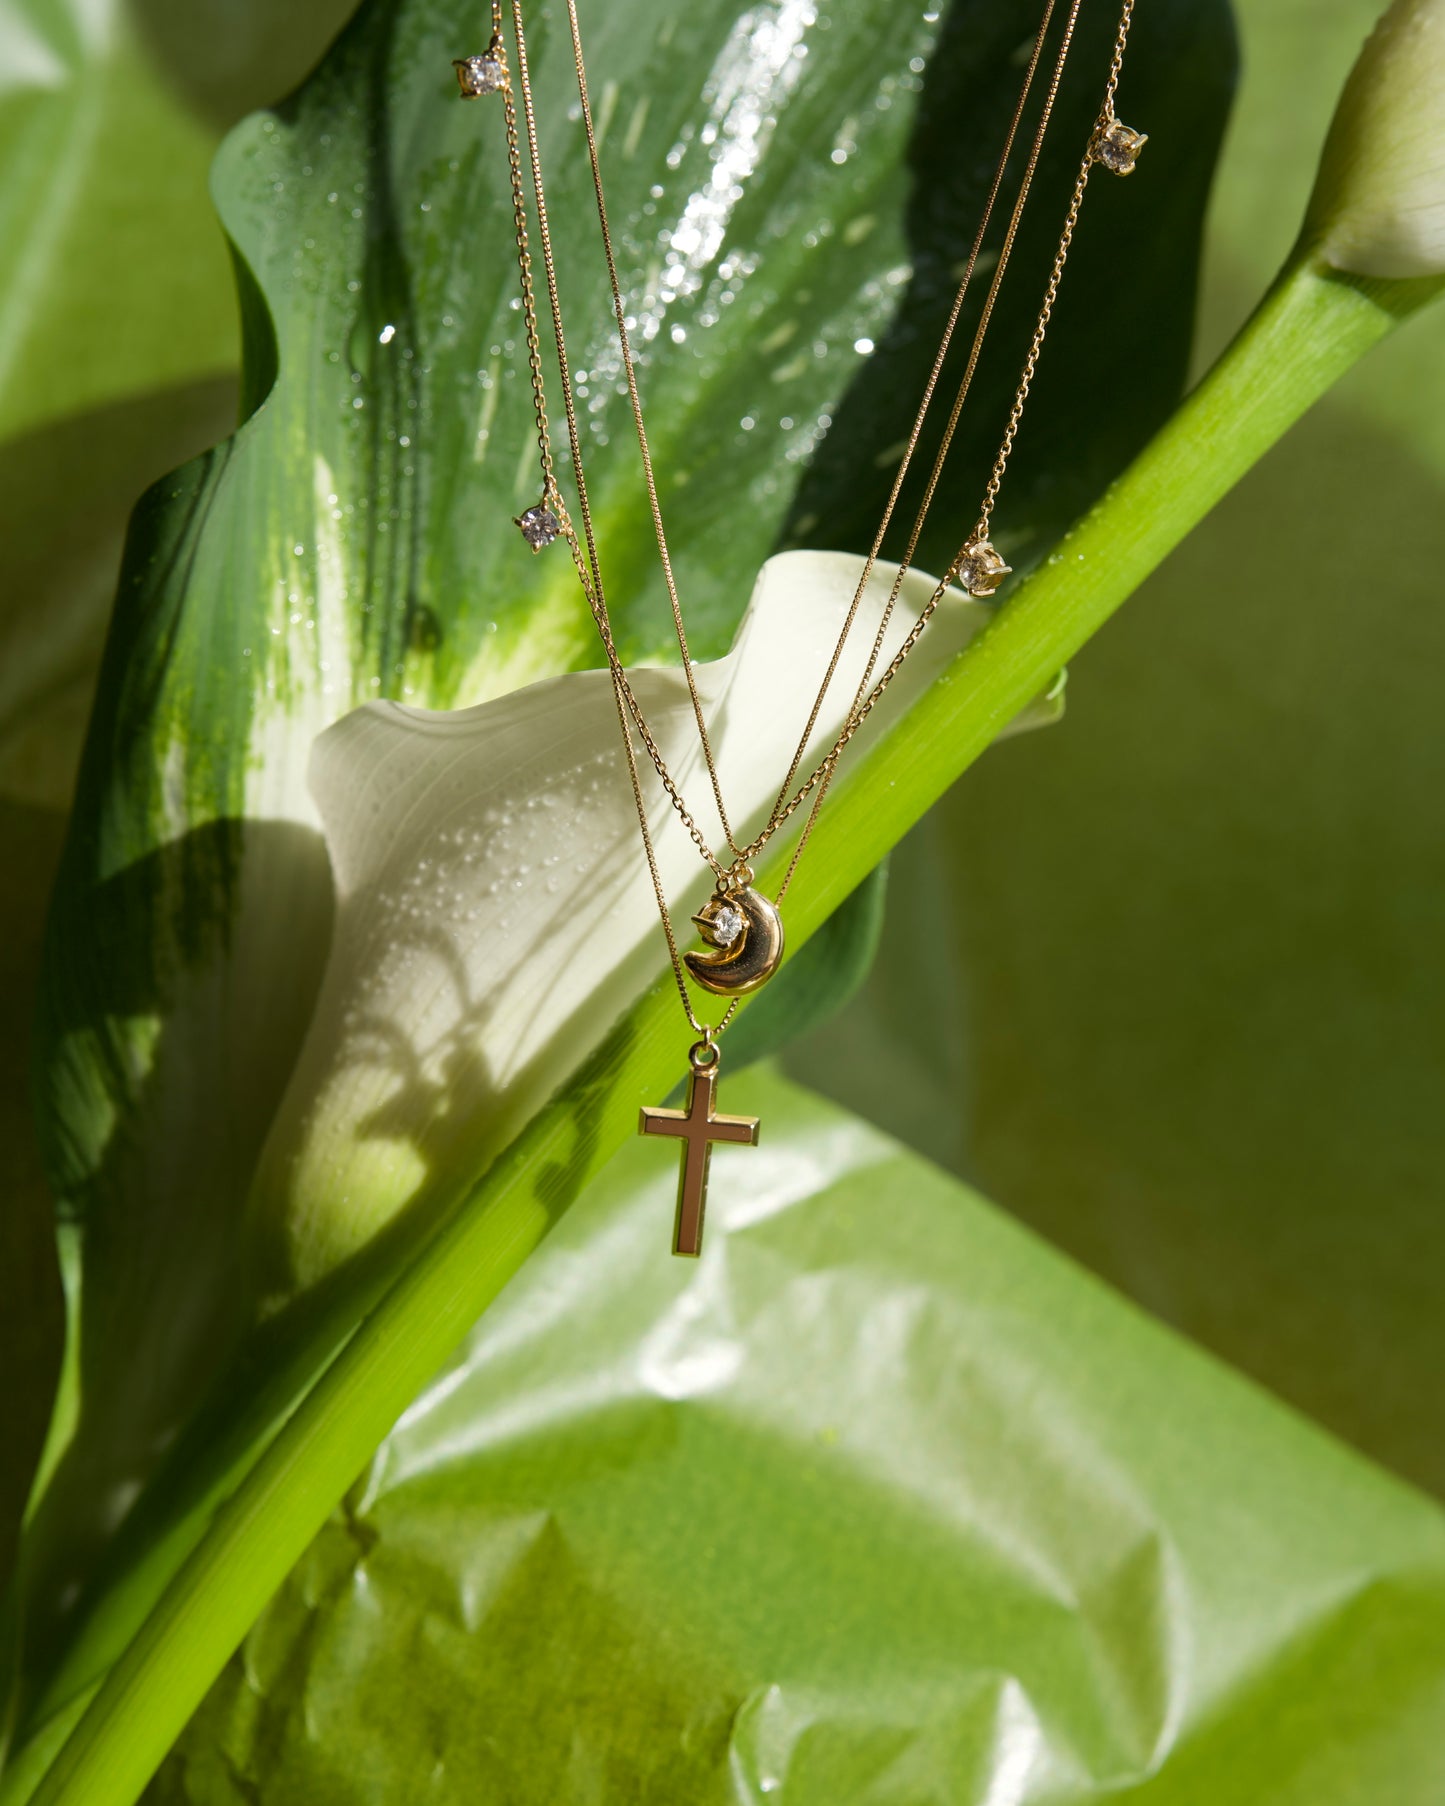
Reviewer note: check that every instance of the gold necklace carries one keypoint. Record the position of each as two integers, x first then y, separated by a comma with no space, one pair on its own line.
741,928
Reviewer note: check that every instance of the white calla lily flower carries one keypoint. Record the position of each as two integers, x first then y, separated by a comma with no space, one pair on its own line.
494,910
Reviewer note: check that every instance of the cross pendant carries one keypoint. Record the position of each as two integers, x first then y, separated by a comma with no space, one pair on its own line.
697,1128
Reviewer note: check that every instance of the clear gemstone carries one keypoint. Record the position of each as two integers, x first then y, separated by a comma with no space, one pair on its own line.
1117,147
981,570
540,526
480,75
727,925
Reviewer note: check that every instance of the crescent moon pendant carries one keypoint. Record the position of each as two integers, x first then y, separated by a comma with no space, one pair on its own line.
752,958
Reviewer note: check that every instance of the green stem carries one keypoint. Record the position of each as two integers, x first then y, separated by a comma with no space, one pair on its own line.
1308,331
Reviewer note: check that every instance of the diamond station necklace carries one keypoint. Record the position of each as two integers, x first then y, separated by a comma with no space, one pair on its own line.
741,929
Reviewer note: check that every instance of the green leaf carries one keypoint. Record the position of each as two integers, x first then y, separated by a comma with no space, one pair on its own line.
117,341
883,1502
77,83
1117,352
78,356
31,1321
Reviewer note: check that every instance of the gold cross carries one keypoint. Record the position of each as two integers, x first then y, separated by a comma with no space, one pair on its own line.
698,1129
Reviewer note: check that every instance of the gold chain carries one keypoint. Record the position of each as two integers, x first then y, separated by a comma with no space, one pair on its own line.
782,809
1051,292
587,563
635,399
524,263
864,705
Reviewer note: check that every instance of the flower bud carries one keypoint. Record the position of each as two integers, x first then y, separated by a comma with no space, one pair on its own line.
1378,207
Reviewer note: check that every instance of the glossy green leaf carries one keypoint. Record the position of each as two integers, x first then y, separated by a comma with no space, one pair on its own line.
77,83
1118,345
882,1502
32,1317
118,339
73,355
117,351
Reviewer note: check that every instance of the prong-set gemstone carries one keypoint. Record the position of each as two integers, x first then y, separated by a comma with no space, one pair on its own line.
980,569
725,925
1116,146
479,75
540,525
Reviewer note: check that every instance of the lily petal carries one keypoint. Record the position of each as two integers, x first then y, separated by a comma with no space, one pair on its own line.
1379,203
494,912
